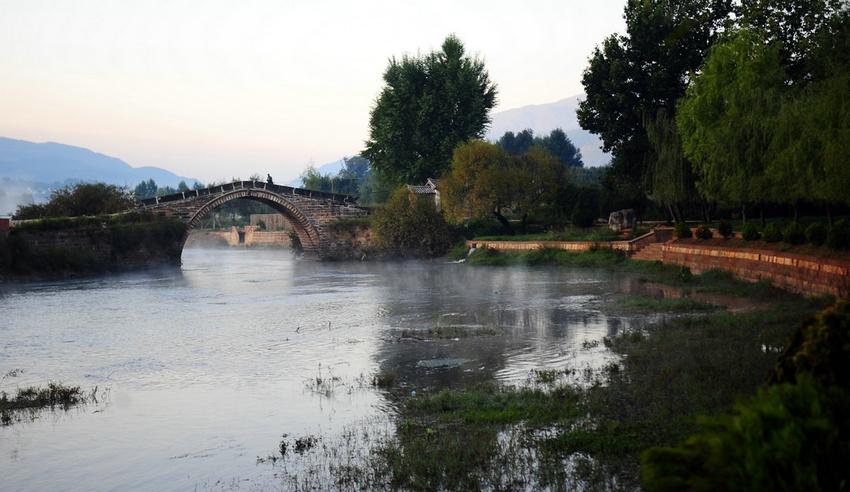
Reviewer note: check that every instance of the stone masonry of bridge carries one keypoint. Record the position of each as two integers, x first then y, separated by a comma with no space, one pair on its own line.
309,212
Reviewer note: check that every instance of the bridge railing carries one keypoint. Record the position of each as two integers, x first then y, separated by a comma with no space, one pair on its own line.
241,185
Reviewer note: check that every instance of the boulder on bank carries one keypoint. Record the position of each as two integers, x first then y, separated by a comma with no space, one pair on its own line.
622,219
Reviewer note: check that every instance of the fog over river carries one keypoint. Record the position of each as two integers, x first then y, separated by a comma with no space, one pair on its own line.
200,371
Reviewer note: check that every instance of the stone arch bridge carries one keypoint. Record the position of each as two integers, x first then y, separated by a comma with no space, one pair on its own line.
309,212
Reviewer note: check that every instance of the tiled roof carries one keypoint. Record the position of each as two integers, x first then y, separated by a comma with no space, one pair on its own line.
422,190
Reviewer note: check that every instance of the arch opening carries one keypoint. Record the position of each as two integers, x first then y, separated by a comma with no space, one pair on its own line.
307,233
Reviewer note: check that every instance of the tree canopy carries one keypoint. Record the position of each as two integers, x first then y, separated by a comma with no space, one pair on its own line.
78,200
557,143
428,106
631,77
485,182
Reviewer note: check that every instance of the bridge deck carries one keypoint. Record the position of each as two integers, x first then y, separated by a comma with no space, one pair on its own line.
241,185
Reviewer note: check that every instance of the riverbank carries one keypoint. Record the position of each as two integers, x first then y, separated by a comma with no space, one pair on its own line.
797,271
63,247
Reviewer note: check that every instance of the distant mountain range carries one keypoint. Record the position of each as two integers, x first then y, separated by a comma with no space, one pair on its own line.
51,163
543,118
30,171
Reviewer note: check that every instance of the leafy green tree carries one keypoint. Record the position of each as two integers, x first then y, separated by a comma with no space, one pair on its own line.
486,182
670,181
557,143
80,199
182,186
632,76
409,225
145,189
727,119
799,28
517,144
428,106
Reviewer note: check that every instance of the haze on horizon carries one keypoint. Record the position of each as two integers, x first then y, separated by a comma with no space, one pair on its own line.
218,89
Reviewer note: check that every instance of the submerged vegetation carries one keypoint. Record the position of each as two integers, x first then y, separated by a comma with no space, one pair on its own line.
669,380
34,398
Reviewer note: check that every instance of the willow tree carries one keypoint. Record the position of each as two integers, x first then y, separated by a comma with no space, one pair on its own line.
486,182
669,177
429,105
726,120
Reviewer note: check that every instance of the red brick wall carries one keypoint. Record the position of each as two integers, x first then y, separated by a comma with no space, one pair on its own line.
797,273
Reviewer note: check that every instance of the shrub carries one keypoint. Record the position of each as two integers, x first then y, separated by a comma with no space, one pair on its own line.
816,234
79,199
683,231
750,232
410,225
821,348
839,235
790,436
794,234
703,232
725,229
772,233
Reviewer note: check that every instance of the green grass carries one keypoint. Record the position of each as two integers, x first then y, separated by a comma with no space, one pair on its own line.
570,234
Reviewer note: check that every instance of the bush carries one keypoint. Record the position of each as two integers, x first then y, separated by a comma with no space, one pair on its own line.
410,225
725,229
816,234
683,231
80,199
839,235
820,348
750,232
703,232
794,234
790,436
772,233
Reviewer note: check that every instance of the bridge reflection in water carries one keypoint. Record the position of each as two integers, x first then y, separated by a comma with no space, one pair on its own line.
310,212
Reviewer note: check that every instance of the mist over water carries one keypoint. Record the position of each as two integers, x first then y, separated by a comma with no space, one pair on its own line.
207,366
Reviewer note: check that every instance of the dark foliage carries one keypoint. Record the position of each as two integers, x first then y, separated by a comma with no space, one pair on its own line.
725,229
772,233
78,200
794,233
750,232
683,231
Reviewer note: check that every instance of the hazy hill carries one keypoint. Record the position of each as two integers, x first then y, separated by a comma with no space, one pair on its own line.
331,168
543,118
58,163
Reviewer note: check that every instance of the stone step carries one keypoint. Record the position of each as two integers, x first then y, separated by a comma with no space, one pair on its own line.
651,252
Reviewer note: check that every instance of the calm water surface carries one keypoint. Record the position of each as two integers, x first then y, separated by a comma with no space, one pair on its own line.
208,366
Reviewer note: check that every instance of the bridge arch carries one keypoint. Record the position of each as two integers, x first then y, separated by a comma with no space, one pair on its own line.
308,233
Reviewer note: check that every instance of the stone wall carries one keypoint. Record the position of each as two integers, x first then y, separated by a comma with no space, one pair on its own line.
797,273
92,249
628,247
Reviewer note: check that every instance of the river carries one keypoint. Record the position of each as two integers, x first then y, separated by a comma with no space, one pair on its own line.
201,370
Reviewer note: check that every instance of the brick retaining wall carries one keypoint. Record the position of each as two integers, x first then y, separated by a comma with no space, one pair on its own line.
794,272
798,273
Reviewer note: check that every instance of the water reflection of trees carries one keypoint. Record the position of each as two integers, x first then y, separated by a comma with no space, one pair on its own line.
537,315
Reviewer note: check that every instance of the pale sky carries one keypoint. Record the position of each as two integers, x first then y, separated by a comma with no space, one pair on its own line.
218,89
